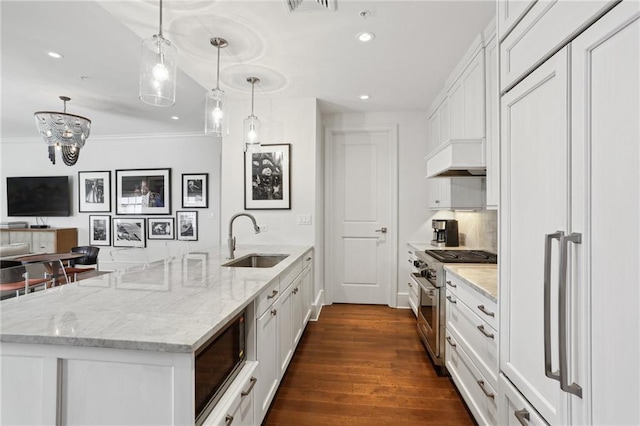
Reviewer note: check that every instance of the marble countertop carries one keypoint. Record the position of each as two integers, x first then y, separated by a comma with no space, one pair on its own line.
172,305
481,277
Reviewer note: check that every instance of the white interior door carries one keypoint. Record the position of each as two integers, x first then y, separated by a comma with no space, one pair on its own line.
362,205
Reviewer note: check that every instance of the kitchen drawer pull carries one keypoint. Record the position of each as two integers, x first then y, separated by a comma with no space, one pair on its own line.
484,311
228,419
450,284
274,312
410,261
483,331
295,290
451,300
410,285
248,391
409,251
273,294
309,259
522,416
486,392
453,345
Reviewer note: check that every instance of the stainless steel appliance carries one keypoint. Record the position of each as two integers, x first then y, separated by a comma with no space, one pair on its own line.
445,233
431,314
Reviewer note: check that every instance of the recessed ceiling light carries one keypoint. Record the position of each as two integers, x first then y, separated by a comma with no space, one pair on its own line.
365,36
175,117
55,55
364,97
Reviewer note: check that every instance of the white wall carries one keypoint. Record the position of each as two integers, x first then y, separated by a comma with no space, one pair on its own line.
414,217
181,153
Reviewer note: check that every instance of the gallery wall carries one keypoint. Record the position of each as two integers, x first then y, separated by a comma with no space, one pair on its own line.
180,153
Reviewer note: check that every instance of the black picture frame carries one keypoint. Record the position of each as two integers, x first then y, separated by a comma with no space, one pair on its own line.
195,190
143,191
94,192
99,230
187,225
161,228
267,178
129,232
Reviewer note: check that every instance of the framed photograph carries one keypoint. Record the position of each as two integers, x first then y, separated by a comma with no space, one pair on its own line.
267,176
129,232
143,191
94,192
99,230
195,190
187,225
161,228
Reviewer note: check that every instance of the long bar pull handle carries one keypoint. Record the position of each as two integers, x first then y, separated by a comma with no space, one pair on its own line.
484,390
273,294
453,345
548,371
484,311
522,416
485,332
450,299
248,391
228,419
450,284
573,388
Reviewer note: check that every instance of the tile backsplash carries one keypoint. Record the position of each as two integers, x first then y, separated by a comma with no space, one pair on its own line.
478,229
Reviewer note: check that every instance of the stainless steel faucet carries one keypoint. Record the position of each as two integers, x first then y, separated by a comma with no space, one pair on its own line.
231,241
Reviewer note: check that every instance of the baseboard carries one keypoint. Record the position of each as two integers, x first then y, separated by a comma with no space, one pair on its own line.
317,306
402,301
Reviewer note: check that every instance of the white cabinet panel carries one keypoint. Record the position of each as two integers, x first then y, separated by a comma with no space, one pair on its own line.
268,365
509,14
492,130
514,409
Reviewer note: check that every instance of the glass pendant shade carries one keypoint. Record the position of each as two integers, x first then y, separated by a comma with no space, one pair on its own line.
251,132
158,72
215,117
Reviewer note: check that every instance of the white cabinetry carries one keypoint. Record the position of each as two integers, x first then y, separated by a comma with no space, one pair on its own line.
569,139
492,143
466,100
283,310
46,240
472,351
236,407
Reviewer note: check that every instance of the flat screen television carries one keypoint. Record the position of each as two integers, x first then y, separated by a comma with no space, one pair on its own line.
38,196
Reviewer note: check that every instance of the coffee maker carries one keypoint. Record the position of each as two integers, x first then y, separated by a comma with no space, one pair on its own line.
445,233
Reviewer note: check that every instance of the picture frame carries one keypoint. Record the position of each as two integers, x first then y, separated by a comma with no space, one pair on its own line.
195,190
267,178
143,191
94,192
161,228
187,225
129,232
99,230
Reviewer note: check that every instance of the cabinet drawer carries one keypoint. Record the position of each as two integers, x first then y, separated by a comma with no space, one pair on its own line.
307,259
44,242
267,297
513,408
547,27
479,395
236,406
290,274
481,305
413,296
478,339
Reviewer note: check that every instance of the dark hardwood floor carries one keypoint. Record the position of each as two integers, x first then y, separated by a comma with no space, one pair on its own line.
364,365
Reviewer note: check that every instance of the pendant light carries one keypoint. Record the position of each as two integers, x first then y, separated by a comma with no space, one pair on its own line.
64,132
158,70
214,111
251,128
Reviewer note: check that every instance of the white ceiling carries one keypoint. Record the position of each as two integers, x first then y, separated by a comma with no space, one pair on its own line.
305,53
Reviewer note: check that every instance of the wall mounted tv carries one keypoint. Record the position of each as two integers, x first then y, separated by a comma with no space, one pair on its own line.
38,196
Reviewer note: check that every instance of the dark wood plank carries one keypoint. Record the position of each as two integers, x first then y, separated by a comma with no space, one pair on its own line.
364,365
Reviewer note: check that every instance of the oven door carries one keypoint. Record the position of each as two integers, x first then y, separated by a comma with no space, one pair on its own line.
429,316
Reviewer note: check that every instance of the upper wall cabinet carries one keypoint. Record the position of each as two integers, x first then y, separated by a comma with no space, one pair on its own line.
466,99
510,12
546,27
492,144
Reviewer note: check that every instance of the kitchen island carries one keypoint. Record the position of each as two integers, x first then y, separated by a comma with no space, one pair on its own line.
119,348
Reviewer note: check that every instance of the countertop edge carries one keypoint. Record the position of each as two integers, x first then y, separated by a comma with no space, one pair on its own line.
475,286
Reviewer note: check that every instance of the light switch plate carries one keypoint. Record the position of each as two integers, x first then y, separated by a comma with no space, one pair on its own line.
304,219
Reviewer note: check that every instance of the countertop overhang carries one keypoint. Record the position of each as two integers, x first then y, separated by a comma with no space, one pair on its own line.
172,305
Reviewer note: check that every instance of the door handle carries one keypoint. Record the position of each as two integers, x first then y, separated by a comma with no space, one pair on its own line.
547,305
573,388
522,416
382,230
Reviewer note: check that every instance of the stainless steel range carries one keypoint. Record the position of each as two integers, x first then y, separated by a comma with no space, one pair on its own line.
430,278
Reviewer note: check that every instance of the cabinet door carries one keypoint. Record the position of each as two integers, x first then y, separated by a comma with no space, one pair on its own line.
534,149
444,117
434,131
433,186
284,306
605,188
307,294
466,100
297,314
21,237
44,242
509,13
492,138
456,105
268,366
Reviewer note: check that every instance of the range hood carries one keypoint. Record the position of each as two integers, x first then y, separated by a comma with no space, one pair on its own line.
457,158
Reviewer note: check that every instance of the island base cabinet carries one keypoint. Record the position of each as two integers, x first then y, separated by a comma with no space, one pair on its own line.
268,365
514,409
237,406
47,384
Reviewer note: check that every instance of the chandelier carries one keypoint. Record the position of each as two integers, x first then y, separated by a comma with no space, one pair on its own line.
64,132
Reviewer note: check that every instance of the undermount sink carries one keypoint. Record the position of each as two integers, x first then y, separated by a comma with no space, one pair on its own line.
257,261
